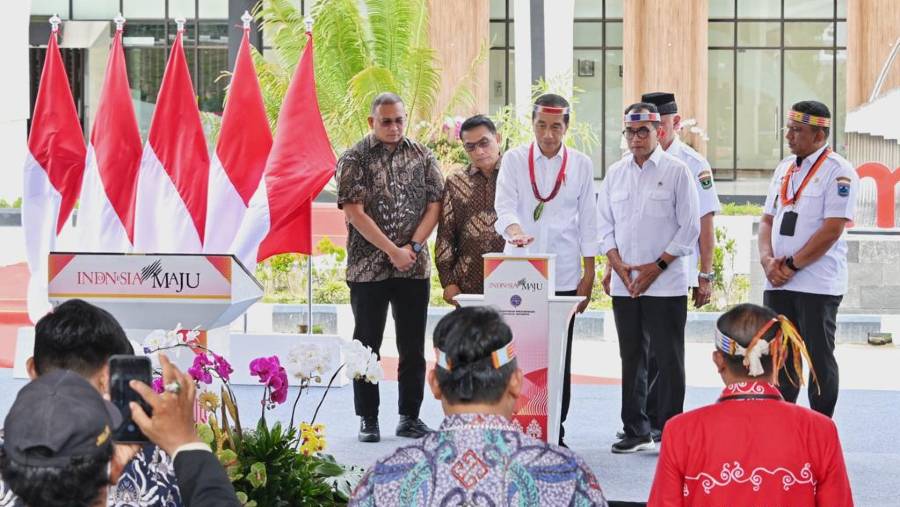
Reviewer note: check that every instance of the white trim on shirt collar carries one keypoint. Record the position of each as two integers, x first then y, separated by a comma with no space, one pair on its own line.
540,154
811,158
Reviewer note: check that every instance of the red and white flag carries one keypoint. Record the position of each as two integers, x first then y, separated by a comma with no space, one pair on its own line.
240,157
54,167
170,209
106,208
302,161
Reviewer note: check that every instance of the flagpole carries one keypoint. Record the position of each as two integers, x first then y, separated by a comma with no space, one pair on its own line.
309,270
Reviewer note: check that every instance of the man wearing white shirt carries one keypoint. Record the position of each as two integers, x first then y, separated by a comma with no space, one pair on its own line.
699,280
649,225
811,199
546,203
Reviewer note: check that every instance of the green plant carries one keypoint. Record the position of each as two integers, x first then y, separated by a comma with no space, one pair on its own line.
362,48
728,290
17,203
733,209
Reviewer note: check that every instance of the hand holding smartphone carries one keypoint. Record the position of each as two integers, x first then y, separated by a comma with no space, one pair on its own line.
122,370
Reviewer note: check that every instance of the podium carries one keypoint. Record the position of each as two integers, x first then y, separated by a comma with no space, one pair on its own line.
522,289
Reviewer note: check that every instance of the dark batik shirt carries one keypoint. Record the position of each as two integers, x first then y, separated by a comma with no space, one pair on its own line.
483,460
394,189
466,229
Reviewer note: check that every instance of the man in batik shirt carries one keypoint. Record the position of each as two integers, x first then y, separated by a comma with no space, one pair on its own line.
752,448
478,457
466,229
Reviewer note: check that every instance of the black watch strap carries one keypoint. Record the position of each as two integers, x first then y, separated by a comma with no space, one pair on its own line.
789,262
662,264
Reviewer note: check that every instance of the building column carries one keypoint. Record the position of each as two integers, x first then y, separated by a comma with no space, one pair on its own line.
872,31
665,49
544,47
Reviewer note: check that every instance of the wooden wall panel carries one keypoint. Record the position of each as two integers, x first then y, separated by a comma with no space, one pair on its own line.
665,49
458,30
873,28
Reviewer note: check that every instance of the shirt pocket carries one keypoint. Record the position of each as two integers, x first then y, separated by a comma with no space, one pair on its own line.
618,201
660,204
812,202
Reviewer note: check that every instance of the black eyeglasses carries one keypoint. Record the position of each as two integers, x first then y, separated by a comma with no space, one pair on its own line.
483,143
642,133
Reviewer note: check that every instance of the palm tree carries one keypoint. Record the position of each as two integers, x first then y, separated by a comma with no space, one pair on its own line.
363,47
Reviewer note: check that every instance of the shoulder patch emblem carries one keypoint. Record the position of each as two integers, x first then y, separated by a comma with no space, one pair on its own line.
843,186
705,178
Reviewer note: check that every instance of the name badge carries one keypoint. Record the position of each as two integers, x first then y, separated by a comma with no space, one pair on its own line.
788,223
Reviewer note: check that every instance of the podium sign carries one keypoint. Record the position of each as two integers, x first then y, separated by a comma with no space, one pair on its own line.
519,288
156,291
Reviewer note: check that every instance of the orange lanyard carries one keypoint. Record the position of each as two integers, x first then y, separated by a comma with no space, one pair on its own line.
790,172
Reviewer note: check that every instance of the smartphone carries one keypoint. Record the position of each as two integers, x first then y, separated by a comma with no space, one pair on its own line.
122,370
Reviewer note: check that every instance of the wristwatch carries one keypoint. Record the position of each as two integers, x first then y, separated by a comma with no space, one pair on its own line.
709,277
416,246
789,262
662,264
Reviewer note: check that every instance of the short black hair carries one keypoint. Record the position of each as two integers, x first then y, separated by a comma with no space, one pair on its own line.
468,336
815,108
76,485
385,99
552,100
479,120
77,336
637,107
741,324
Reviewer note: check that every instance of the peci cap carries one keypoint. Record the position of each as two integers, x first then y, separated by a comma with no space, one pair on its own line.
664,102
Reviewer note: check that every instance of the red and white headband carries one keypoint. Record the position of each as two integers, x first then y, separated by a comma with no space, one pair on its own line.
499,357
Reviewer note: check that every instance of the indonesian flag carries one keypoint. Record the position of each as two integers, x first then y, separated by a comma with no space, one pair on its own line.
106,211
170,210
279,219
240,157
53,170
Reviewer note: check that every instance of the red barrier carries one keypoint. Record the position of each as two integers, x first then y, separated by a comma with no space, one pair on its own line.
885,182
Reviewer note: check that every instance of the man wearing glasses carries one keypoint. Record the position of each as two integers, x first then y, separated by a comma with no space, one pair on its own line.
546,203
810,201
390,189
649,225
466,228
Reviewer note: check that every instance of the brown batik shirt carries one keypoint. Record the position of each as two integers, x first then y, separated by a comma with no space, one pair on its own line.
394,189
466,229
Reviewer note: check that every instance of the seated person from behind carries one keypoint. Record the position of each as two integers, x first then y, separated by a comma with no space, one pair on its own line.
751,447
477,456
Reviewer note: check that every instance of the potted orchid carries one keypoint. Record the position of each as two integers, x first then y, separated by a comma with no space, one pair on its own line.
271,464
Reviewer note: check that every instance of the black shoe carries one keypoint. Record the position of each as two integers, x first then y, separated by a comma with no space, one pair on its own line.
411,427
633,444
563,444
656,435
368,429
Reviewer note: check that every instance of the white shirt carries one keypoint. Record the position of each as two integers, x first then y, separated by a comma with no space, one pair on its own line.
568,225
706,192
830,194
645,211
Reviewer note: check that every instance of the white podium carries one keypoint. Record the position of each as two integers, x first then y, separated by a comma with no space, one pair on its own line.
522,289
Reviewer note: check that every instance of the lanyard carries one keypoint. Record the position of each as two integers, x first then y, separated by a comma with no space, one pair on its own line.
789,175
560,176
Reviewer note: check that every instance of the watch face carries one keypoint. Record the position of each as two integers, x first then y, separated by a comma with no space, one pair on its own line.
417,247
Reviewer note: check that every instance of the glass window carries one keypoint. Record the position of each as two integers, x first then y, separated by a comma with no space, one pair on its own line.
614,9
759,8
809,33
842,33
498,34
50,7
213,33
759,33
614,34
721,33
589,79
841,9
588,8
499,87
588,33
213,9
720,107
144,33
144,9
145,67
721,8
95,9
809,9
182,9
498,8
808,76
758,109
612,135
839,113
210,89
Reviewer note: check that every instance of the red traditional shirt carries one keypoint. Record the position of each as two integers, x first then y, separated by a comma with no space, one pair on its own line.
751,449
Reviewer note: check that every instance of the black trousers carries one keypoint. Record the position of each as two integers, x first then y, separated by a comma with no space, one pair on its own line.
567,371
815,316
409,307
650,323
